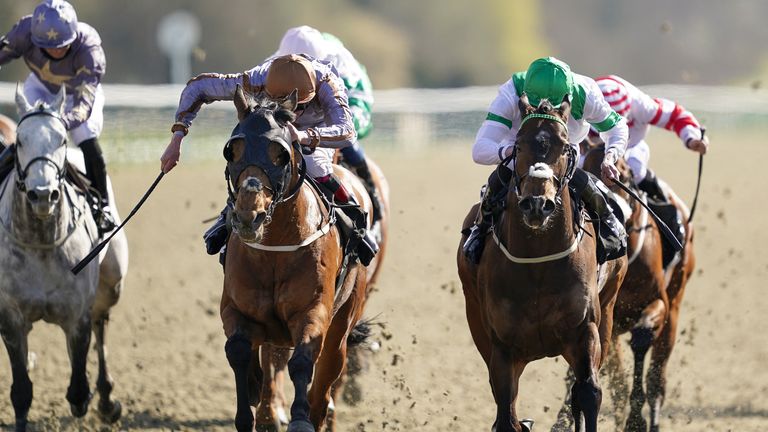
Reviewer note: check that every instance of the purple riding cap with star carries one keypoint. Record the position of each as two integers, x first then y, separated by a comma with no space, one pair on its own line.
54,25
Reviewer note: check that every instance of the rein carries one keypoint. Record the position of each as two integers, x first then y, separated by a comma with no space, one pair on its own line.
698,181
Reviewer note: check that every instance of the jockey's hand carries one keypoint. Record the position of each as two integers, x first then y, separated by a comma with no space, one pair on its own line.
698,145
296,135
608,168
171,155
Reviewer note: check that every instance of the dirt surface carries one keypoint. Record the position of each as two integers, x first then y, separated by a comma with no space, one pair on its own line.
166,342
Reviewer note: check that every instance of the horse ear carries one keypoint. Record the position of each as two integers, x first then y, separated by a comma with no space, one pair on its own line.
241,103
291,101
524,106
58,103
565,107
22,105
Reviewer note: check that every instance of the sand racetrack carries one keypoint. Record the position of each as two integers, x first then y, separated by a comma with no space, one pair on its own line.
166,343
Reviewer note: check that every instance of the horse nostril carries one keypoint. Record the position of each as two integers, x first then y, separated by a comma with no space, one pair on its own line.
549,206
55,195
32,196
259,219
525,204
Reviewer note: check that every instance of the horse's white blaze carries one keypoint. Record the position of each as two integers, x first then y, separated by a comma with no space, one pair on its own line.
540,170
248,187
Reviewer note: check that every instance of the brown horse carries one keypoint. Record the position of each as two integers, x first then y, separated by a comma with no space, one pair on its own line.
282,265
7,131
272,409
649,301
538,291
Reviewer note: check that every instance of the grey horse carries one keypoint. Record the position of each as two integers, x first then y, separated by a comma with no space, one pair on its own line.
46,227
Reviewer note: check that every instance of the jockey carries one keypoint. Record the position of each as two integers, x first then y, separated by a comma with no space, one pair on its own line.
551,79
326,47
60,51
323,124
642,111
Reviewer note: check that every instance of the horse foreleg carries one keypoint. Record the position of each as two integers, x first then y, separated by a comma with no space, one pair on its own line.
241,338
662,349
78,341
643,334
586,395
309,331
14,333
505,377
109,409
264,390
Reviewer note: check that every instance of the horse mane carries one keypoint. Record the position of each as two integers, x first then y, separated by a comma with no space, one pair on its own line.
262,102
545,107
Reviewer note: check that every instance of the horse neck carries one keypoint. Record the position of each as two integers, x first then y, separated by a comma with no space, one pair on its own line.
28,228
294,218
524,241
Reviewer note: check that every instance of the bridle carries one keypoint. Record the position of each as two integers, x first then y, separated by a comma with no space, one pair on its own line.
21,174
278,176
568,150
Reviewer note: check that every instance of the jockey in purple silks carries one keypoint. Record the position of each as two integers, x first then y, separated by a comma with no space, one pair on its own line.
60,51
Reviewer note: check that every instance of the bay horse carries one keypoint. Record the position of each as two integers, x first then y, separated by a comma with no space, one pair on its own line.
46,228
648,305
272,409
538,291
281,269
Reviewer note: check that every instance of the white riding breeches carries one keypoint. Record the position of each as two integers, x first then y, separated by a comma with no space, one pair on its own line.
637,157
35,91
319,163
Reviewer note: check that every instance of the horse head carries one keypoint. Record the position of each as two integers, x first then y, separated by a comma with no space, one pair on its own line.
543,160
41,152
261,161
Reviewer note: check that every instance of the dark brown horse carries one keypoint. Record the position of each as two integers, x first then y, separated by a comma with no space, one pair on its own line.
538,291
281,270
649,301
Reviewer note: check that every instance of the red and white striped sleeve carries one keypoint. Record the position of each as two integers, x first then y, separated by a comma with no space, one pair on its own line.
616,94
674,117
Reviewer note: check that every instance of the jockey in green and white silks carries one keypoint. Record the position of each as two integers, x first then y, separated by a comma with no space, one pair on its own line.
328,48
551,79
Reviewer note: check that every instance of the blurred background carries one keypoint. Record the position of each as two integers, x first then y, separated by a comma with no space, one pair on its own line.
461,50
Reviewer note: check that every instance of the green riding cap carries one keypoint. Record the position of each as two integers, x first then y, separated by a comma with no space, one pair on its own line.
548,78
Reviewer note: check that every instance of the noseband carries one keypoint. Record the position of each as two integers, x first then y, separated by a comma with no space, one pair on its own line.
21,174
568,150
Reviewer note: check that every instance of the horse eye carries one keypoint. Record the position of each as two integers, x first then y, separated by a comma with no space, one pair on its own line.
228,153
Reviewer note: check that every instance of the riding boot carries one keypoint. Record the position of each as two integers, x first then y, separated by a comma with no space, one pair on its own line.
612,242
650,185
364,173
217,235
96,172
666,211
7,156
354,218
491,207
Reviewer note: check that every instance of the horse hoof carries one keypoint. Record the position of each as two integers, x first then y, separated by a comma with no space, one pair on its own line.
527,425
244,423
300,426
21,425
80,410
110,412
